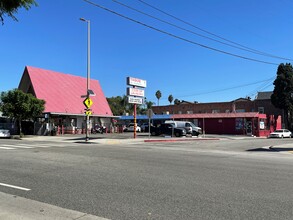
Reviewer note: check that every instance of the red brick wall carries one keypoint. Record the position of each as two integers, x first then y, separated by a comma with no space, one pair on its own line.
248,106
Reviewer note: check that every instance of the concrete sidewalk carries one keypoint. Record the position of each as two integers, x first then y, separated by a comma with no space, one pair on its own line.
128,138
18,208
114,138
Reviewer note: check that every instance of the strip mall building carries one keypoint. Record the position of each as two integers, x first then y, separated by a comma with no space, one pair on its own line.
241,117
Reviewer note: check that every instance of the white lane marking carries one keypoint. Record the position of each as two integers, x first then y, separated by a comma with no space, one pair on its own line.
17,146
15,187
7,148
25,146
44,146
13,147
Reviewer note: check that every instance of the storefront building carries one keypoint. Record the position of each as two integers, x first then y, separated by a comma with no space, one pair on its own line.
241,123
64,95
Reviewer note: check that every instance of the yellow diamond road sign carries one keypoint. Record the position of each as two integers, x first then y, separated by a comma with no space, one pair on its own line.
88,102
88,112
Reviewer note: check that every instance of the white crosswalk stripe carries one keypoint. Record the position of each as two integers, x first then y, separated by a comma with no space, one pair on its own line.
7,148
16,146
25,146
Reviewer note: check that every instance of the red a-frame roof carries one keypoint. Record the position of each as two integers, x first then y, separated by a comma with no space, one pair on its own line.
62,92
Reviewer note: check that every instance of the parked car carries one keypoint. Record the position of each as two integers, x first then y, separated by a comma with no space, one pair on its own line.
144,127
168,129
130,127
281,133
4,132
190,128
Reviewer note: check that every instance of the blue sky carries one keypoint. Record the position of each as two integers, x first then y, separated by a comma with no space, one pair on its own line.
51,36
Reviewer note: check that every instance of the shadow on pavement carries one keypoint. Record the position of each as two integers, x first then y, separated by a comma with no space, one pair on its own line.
271,149
280,149
260,150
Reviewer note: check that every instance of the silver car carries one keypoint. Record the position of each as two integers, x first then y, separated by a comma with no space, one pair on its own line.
4,133
280,133
130,127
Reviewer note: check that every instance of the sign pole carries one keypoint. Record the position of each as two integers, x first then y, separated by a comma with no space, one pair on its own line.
134,115
150,115
87,126
135,95
149,127
88,75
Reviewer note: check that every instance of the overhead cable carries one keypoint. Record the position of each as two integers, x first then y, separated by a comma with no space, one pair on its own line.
215,35
225,89
178,37
184,29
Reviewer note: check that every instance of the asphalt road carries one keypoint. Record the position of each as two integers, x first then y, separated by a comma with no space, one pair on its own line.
217,179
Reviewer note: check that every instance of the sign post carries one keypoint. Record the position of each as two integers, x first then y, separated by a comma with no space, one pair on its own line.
135,95
87,103
150,114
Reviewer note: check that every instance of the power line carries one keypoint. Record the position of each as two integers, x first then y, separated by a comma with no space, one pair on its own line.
262,87
215,35
177,37
225,89
203,36
184,29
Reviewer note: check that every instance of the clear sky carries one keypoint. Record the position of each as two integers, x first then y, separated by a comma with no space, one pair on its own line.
175,61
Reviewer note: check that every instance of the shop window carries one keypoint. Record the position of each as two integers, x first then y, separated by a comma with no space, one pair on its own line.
262,124
239,123
261,110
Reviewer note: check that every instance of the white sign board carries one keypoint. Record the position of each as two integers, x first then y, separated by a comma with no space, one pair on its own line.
136,82
135,100
135,92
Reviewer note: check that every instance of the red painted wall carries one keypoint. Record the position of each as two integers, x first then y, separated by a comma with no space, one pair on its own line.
220,126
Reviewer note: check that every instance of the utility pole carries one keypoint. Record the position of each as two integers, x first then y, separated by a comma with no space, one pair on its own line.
88,76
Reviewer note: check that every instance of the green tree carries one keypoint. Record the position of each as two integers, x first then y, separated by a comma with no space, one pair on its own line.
176,101
120,106
149,104
282,96
158,95
117,105
18,105
170,99
10,7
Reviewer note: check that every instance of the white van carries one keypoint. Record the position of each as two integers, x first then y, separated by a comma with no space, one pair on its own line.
189,127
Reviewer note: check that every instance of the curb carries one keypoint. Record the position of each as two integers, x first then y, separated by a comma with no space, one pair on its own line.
179,140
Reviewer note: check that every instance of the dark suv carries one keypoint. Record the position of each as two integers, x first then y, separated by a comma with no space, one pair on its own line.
168,129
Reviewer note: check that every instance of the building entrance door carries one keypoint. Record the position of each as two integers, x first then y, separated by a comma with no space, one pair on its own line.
249,128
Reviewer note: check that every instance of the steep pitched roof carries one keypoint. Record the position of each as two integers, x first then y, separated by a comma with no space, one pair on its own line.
62,92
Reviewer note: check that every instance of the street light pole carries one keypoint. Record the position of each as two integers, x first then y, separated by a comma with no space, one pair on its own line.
88,74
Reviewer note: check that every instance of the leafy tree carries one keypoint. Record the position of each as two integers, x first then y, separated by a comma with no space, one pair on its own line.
176,101
158,95
117,105
120,106
149,104
16,104
10,7
282,96
170,99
